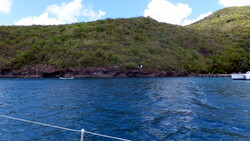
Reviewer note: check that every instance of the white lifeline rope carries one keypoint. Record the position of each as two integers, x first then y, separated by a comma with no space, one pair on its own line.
63,128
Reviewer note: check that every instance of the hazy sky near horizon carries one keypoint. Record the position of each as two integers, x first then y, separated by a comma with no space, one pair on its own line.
54,12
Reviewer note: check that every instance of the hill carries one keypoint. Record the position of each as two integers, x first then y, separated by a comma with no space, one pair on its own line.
229,27
116,47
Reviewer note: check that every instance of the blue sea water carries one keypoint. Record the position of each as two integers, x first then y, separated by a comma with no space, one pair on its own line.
150,109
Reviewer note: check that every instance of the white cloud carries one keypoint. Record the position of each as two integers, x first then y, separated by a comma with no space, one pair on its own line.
92,15
5,6
188,21
164,11
43,19
229,3
61,14
66,12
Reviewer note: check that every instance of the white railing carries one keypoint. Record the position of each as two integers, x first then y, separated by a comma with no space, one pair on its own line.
63,128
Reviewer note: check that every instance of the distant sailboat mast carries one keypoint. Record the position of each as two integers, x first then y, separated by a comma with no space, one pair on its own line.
245,76
245,55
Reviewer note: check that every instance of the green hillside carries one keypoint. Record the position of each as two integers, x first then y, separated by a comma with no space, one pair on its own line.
229,27
216,44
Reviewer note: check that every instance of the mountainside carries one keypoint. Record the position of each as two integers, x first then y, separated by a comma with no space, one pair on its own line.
215,44
230,27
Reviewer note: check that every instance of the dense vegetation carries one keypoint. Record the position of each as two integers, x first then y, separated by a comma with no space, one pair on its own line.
216,44
231,29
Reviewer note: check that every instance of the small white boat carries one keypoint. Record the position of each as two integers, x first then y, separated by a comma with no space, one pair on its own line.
247,75
66,77
241,76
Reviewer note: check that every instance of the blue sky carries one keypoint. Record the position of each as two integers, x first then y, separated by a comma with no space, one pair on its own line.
53,12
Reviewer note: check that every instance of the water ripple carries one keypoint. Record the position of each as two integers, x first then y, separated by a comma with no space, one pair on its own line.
181,108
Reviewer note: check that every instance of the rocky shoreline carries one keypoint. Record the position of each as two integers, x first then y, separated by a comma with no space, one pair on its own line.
47,71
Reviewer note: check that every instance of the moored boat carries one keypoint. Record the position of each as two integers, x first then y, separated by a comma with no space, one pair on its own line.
244,76
66,77
241,76
247,75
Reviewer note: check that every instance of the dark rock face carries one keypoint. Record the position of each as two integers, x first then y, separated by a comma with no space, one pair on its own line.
46,71
52,74
6,73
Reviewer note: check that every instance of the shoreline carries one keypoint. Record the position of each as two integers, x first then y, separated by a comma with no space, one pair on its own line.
119,76
47,71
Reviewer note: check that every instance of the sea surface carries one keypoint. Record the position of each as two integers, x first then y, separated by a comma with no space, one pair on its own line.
140,109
